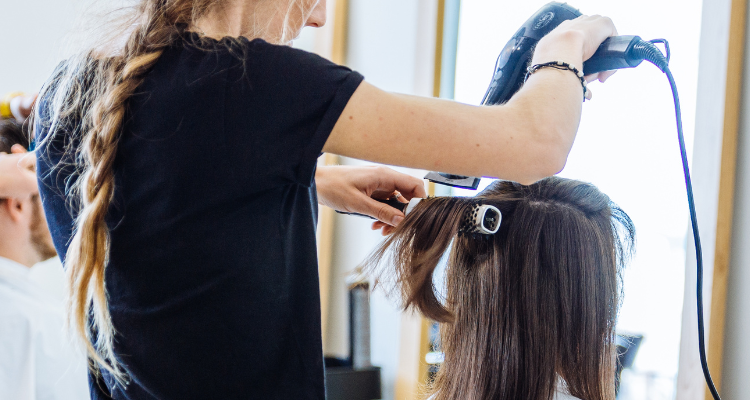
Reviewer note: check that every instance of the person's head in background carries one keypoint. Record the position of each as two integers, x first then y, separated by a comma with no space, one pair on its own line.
529,310
24,235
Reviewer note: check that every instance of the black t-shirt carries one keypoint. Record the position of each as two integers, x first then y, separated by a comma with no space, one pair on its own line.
212,278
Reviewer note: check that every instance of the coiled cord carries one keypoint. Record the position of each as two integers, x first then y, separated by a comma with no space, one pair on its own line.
649,52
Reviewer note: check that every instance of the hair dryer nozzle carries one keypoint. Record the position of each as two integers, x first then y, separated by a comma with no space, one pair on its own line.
465,182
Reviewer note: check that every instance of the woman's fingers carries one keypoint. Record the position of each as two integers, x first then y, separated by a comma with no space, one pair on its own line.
383,212
385,183
394,181
386,229
601,76
596,29
402,186
575,40
355,189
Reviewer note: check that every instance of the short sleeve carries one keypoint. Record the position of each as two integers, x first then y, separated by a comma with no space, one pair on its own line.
282,104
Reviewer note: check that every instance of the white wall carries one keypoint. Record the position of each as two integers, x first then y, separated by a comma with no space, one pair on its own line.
33,34
706,163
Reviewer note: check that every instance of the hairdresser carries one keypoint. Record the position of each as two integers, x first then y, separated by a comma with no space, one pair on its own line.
193,195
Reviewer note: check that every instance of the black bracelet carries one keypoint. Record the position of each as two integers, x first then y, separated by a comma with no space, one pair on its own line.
561,66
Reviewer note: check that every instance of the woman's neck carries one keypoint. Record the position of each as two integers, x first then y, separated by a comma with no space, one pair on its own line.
250,18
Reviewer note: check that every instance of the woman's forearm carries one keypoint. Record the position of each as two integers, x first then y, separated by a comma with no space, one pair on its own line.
524,140
551,103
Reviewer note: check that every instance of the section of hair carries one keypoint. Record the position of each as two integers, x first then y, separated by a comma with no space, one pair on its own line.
533,304
12,133
414,251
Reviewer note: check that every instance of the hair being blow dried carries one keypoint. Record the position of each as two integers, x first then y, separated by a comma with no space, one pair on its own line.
89,98
528,310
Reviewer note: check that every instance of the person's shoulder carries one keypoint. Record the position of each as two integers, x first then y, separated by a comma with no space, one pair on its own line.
285,54
237,45
24,306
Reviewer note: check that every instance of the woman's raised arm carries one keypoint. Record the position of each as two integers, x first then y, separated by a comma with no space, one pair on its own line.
524,140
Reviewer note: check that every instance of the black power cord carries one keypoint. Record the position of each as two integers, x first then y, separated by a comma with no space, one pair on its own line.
696,237
651,53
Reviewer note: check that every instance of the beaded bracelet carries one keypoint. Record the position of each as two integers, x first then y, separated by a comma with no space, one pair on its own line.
561,66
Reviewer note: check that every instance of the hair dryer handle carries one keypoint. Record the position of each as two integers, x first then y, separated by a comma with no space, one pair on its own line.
614,53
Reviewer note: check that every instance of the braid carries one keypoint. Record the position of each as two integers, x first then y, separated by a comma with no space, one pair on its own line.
118,77
95,90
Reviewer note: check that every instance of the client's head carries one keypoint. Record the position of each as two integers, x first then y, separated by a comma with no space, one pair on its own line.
528,310
24,235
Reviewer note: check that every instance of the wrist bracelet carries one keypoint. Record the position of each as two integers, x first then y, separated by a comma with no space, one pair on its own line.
561,65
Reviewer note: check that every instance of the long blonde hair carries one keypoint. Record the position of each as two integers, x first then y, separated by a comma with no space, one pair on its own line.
88,97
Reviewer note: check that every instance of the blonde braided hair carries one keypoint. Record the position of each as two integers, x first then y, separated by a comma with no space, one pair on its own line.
95,88
116,78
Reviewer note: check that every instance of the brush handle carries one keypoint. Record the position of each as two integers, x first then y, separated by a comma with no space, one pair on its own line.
393,202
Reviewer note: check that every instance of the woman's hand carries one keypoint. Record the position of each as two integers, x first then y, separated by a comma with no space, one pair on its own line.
17,176
575,41
352,189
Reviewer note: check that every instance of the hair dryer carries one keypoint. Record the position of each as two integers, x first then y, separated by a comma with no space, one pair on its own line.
510,70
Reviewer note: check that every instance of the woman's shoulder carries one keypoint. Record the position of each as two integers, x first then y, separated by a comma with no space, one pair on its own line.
247,48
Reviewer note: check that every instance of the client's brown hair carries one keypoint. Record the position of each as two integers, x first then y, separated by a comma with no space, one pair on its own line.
12,132
533,304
